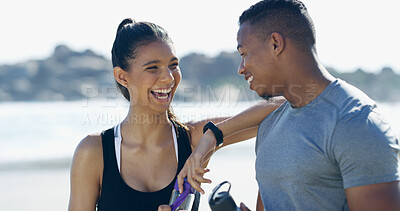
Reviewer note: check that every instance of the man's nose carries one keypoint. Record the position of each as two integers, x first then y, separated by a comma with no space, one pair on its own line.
241,68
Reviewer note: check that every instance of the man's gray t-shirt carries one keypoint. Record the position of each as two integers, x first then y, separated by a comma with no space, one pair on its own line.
308,156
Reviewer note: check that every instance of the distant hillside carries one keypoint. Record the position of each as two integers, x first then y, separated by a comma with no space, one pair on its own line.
62,76
71,75
384,86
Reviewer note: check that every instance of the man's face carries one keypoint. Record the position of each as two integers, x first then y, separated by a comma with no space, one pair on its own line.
258,62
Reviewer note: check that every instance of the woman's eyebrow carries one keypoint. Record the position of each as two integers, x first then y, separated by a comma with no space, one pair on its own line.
152,62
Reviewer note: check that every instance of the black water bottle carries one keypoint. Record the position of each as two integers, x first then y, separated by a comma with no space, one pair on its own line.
222,200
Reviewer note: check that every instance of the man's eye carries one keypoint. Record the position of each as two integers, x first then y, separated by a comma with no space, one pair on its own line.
152,68
173,66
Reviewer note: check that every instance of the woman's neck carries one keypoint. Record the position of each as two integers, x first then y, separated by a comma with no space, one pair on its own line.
145,127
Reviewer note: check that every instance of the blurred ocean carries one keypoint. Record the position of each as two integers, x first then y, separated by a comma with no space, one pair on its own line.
38,132
38,139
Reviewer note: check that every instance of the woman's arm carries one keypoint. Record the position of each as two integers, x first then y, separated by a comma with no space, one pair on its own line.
235,129
196,129
86,171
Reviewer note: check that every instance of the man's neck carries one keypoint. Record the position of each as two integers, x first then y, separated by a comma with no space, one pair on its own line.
307,84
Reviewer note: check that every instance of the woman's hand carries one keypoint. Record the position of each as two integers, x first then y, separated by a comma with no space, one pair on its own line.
164,208
194,168
240,127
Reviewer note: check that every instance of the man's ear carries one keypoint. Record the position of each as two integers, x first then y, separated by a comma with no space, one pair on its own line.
121,76
278,43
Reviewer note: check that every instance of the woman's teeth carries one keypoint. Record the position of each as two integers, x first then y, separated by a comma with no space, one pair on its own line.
162,97
250,79
163,90
161,93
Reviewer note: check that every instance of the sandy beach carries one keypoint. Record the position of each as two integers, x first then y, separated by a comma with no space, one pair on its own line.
34,190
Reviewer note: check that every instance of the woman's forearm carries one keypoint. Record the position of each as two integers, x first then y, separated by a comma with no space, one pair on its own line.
246,122
234,129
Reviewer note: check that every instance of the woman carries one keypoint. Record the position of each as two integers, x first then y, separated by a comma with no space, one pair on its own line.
133,166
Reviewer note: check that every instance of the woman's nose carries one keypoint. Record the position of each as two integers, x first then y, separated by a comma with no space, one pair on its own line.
167,75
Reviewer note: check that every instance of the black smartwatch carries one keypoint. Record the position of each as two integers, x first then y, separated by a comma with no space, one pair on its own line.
217,132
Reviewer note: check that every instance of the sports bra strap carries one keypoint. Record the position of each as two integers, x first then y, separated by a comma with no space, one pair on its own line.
118,141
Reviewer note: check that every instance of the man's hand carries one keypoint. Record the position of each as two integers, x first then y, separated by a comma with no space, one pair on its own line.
194,168
243,207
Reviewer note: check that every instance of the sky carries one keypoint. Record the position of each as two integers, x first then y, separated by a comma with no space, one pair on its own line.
351,34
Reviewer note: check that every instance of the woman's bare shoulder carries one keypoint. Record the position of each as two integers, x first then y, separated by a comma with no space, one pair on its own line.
91,142
86,171
90,149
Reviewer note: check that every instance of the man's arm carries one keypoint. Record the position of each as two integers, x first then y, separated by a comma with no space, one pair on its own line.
382,196
367,153
260,205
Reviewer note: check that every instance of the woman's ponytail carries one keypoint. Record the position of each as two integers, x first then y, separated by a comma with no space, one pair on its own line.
125,22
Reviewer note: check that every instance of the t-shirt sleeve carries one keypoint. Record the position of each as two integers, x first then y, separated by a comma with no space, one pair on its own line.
365,149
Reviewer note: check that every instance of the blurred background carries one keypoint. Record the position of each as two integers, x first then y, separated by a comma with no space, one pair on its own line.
56,83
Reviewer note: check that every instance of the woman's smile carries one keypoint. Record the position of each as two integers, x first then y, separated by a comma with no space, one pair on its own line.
162,94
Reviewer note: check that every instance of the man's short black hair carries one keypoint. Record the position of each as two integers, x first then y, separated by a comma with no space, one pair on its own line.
287,17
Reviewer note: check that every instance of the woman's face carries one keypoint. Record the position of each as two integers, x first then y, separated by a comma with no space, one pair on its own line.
154,76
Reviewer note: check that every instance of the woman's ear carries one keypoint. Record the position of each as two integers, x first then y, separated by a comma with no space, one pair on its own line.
121,76
278,43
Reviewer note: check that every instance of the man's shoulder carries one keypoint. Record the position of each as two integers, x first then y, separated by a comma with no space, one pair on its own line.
349,100
359,115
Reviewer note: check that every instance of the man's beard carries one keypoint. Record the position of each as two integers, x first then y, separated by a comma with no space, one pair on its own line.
271,99
267,97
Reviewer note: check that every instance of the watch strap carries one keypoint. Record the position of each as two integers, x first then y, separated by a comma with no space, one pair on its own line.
217,132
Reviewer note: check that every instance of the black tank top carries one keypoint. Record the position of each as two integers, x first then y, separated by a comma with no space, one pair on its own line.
116,195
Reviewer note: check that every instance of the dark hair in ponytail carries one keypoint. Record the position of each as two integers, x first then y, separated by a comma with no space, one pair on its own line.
132,35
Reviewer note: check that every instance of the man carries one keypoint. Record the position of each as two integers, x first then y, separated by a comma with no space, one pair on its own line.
327,147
